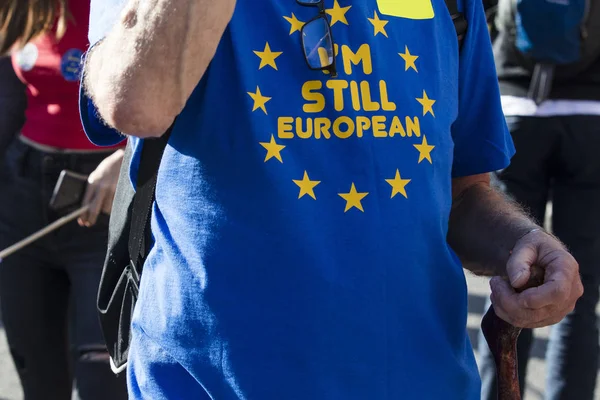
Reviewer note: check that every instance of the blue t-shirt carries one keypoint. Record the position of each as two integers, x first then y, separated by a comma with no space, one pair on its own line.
300,221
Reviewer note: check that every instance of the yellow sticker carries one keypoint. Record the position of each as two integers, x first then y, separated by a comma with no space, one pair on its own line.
411,9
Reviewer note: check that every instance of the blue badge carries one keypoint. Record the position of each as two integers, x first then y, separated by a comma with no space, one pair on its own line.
70,65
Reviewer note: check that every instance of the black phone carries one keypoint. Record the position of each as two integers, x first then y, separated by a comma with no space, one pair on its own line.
69,191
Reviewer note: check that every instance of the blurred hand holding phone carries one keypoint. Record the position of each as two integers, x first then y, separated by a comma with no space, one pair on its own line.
66,200
81,197
68,192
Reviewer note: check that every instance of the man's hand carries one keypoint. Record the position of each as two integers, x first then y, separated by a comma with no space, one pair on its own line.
544,305
494,237
102,185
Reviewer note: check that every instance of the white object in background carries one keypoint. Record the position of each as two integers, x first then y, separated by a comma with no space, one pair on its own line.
514,106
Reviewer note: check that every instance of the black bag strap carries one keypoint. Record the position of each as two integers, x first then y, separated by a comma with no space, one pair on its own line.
541,82
139,233
452,6
460,22
490,7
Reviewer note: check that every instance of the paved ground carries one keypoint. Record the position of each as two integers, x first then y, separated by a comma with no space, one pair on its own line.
478,289
9,388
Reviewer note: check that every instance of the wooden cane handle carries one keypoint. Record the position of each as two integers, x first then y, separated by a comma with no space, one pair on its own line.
535,279
502,337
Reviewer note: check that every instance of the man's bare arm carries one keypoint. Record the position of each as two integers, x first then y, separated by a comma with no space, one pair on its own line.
484,225
492,236
141,75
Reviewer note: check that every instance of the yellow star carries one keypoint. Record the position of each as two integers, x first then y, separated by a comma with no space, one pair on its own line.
273,149
338,14
267,57
424,150
295,24
353,198
427,104
306,186
378,25
259,100
409,59
398,185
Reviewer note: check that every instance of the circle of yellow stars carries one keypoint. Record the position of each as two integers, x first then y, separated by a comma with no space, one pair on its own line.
306,185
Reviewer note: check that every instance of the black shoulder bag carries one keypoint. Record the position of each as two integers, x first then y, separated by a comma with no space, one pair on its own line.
129,241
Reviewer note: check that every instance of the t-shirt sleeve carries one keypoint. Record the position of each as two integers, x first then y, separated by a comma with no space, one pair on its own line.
103,15
482,142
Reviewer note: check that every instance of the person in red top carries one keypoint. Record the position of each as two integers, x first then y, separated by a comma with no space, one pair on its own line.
12,104
48,290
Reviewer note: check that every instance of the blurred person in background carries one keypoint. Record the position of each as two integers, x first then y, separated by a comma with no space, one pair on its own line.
12,104
48,290
557,141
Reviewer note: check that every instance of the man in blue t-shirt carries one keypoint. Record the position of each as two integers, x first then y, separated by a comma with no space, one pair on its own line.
309,224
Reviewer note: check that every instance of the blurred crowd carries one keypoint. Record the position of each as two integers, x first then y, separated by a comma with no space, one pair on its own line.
48,289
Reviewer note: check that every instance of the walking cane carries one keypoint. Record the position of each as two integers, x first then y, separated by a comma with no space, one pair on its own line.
41,233
502,337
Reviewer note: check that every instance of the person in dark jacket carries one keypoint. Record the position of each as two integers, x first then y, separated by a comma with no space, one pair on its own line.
557,160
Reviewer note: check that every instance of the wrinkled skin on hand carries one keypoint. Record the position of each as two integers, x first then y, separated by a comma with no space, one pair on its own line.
545,304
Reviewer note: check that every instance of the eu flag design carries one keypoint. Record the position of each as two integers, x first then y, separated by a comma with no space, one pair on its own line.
364,109
300,220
